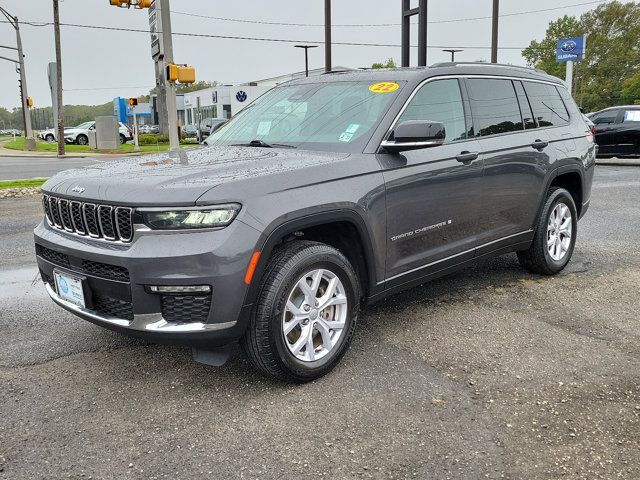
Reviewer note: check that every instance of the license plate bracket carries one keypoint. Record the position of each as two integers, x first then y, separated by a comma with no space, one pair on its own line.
70,287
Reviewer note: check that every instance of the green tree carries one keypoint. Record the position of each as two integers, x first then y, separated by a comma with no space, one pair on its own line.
613,56
631,89
390,64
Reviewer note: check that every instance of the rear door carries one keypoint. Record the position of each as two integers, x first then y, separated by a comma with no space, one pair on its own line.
606,125
627,133
516,157
432,194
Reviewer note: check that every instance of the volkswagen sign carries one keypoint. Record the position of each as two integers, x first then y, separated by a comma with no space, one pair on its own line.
241,96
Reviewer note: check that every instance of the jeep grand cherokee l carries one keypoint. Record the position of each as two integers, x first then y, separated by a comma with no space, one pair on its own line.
324,195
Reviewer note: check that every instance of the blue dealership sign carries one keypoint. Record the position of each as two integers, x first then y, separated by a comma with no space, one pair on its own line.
241,96
570,49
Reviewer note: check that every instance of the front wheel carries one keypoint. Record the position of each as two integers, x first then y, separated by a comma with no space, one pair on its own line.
123,139
306,312
82,140
555,235
49,138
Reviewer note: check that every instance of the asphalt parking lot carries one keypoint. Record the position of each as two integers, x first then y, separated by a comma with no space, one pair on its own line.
488,373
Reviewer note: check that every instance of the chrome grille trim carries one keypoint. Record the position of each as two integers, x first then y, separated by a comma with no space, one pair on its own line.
124,216
107,228
84,219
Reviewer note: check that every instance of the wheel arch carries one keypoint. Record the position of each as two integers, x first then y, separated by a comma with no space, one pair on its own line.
345,224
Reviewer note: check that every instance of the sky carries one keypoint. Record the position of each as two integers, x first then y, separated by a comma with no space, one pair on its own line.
99,65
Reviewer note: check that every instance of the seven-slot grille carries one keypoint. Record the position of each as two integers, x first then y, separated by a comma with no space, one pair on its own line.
96,221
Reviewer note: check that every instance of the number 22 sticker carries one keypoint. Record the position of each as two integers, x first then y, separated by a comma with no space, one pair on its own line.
384,87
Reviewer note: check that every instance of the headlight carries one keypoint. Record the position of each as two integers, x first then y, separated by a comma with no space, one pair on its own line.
218,216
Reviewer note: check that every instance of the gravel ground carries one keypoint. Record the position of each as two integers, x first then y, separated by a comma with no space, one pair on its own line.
488,373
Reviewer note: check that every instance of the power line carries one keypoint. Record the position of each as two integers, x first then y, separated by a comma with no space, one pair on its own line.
263,39
453,20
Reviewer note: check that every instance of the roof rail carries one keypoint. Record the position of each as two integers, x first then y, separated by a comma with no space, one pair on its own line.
485,64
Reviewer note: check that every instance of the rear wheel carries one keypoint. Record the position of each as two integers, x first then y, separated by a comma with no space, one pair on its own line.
306,312
555,235
49,138
123,139
82,140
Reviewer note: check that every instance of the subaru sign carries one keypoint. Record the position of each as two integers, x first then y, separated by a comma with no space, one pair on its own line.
570,49
241,96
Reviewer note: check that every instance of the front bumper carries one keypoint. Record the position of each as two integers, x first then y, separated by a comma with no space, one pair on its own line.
117,276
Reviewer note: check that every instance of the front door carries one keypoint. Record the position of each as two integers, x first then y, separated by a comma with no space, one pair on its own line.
433,194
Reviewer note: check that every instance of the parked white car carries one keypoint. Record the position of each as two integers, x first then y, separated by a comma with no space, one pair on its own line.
80,134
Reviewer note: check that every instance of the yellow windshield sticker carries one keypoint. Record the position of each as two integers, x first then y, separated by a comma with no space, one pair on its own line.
384,87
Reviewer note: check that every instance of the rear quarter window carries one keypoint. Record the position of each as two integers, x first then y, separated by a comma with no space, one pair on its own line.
548,108
494,106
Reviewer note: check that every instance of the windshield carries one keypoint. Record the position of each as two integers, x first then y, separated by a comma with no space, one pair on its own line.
84,126
336,116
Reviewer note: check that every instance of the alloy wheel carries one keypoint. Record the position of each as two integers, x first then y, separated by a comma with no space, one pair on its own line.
559,231
315,315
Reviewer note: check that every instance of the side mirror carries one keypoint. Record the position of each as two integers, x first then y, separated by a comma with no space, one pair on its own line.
415,134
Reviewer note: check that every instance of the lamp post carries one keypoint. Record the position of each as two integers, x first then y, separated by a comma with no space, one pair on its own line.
30,142
306,57
453,52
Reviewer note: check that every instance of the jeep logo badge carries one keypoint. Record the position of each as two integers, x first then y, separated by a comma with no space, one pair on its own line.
77,189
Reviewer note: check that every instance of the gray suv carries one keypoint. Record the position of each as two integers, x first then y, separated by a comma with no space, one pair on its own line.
323,196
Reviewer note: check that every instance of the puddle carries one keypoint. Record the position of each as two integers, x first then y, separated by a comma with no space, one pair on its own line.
18,283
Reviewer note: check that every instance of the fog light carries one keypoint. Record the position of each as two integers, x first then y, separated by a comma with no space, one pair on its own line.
180,288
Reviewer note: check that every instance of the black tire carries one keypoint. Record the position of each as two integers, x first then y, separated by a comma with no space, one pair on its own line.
264,343
82,139
536,258
123,139
49,138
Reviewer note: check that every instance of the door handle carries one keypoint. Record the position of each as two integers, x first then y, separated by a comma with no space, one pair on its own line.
540,144
467,157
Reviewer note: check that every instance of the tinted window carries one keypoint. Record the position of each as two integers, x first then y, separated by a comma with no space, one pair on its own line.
604,118
547,106
439,101
631,116
494,106
525,108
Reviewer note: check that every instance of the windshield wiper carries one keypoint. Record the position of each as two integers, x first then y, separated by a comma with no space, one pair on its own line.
262,143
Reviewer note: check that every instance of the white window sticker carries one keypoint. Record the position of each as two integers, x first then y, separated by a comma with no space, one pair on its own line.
345,137
264,128
632,116
352,128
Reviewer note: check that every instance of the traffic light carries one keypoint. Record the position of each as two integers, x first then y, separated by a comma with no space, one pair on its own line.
133,102
29,102
144,3
120,3
180,73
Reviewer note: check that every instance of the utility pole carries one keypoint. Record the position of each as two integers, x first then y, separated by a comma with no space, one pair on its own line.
327,35
167,44
30,142
306,57
494,32
422,33
60,120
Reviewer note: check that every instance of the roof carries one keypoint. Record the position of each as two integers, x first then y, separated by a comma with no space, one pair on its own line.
420,73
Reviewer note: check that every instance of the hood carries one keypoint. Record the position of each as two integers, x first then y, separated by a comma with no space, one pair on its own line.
178,180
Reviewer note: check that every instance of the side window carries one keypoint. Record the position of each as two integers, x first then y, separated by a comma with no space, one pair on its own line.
494,106
631,116
547,106
439,101
605,118
525,108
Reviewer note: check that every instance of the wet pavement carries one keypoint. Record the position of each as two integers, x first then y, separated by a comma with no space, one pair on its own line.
487,373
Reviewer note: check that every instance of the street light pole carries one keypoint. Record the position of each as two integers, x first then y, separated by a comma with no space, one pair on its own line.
30,142
494,32
453,52
306,57
171,102
327,35
60,119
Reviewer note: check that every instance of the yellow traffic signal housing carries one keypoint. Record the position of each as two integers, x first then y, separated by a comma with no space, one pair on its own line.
133,102
181,73
144,3
29,102
120,3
